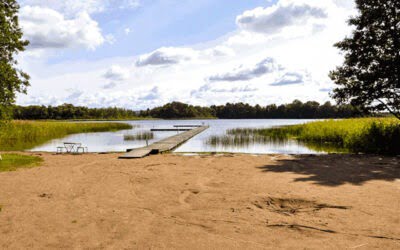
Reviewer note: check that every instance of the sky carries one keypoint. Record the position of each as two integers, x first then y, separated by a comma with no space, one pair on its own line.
138,54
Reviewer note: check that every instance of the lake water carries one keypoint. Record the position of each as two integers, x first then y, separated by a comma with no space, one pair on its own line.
114,141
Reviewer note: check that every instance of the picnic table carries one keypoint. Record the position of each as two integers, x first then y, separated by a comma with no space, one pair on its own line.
72,147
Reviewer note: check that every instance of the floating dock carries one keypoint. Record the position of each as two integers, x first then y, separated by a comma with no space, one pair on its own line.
164,145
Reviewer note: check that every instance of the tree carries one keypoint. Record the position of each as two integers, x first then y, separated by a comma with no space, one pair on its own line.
370,75
12,79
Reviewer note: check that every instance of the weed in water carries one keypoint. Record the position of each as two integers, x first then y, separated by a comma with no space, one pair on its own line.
141,136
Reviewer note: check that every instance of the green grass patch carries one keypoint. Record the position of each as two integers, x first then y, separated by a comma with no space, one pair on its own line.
364,135
13,162
22,135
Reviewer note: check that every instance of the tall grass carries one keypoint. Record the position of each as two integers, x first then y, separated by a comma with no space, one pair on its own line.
22,135
365,135
140,136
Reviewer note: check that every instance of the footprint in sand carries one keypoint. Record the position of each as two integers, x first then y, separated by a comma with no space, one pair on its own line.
185,194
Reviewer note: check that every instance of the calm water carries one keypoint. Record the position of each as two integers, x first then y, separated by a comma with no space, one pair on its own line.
114,141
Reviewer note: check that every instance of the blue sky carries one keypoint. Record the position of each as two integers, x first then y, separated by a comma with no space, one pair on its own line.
144,53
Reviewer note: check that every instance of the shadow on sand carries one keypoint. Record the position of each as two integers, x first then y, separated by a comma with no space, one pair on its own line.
335,170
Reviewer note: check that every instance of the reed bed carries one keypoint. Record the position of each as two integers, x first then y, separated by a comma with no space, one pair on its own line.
364,135
22,135
141,136
241,140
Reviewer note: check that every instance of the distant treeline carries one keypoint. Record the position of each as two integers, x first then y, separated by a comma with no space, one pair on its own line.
177,110
294,110
68,112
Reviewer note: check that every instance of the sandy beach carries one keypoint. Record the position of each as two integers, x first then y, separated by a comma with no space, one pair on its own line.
227,201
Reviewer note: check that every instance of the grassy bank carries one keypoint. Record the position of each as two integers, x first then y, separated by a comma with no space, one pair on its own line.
22,135
12,162
366,135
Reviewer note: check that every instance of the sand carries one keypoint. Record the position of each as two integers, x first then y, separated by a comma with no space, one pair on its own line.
203,202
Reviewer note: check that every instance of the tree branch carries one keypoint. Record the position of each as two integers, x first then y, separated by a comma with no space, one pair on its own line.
396,114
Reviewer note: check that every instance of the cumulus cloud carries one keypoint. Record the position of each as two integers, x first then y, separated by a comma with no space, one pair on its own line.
74,95
209,88
117,73
283,14
110,85
289,78
325,89
154,94
47,28
266,66
166,56
220,51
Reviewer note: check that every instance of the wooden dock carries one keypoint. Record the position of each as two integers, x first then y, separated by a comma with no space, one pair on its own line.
169,129
187,126
164,145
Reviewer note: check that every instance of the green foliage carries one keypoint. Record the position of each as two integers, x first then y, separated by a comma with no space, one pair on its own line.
367,135
12,162
141,136
370,75
178,110
12,80
21,135
68,112
294,110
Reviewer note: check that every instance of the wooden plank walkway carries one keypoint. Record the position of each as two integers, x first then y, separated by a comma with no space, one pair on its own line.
170,129
187,126
164,145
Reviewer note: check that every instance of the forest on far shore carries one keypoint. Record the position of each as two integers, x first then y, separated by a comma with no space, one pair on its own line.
178,110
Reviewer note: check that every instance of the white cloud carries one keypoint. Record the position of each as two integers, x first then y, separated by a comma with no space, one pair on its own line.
117,73
289,78
46,28
216,89
219,51
273,19
153,94
74,95
242,73
110,85
166,56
